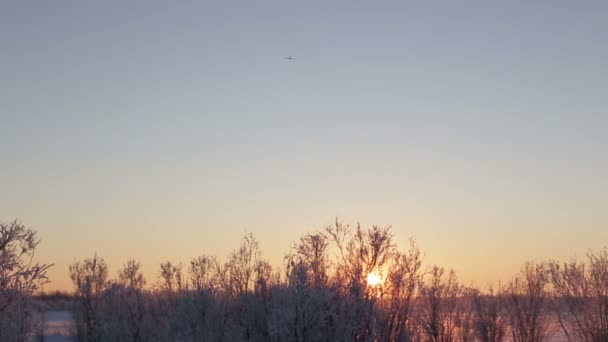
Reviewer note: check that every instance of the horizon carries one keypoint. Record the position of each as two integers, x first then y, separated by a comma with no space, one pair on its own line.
484,279
163,132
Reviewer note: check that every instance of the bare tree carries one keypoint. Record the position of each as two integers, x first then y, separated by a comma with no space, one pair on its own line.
581,295
20,277
89,278
237,274
490,324
171,277
263,280
525,302
312,251
402,284
302,310
132,280
439,304
203,275
197,310
366,252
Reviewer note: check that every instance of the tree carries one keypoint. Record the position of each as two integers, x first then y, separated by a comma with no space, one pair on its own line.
439,304
581,294
237,275
89,278
312,252
403,283
202,273
171,278
489,322
367,251
132,280
202,313
20,277
526,300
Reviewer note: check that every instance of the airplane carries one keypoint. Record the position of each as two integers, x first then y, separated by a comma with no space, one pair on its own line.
290,58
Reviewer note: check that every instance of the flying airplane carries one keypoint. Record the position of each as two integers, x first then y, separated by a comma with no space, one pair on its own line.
290,58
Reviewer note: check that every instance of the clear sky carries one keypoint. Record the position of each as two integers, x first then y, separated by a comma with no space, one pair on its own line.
164,130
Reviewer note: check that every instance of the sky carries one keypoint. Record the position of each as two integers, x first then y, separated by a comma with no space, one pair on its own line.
166,130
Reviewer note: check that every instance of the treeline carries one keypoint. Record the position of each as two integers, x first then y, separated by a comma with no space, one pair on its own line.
339,284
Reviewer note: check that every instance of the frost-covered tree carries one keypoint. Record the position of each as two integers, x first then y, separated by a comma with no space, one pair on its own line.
581,296
526,299
20,277
489,322
237,274
303,311
171,277
172,303
312,252
360,254
439,305
203,276
200,306
90,279
133,299
402,288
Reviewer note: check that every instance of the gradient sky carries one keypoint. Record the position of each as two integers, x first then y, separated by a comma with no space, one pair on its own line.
164,130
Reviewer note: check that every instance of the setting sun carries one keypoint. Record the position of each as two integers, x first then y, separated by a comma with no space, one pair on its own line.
374,279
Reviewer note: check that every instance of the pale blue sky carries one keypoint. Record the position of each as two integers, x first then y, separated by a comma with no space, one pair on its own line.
161,130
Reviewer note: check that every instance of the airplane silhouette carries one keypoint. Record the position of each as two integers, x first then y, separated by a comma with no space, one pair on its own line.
290,58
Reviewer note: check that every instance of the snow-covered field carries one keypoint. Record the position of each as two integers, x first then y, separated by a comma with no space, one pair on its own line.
59,326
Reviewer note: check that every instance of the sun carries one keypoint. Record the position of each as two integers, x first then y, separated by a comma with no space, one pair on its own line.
374,279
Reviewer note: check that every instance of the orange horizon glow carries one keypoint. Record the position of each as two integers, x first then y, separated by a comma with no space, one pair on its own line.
473,266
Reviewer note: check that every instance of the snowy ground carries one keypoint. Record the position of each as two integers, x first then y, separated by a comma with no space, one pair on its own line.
59,326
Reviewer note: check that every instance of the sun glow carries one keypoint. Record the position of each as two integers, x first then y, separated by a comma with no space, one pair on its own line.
374,279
